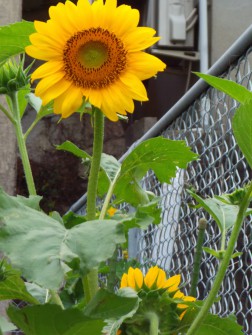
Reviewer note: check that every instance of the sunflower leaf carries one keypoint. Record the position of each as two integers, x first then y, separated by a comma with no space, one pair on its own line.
212,324
14,38
107,305
72,148
34,241
13,287
159,154
109,168
242,128
223,212
52,320
131,307
231,88
143,216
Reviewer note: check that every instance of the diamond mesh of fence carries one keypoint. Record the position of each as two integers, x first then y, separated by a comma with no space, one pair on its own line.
206,127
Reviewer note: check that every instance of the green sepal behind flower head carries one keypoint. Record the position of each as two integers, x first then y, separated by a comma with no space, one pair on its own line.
13,76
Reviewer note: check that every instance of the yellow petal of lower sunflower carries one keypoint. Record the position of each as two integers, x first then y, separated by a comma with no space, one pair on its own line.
138,278
151,276
161,278
131,278
124,281
186,298
172,283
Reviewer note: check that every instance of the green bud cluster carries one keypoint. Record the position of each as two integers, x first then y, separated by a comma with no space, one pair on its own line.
13,76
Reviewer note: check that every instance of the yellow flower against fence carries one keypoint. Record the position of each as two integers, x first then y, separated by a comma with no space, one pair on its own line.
154,279
93,52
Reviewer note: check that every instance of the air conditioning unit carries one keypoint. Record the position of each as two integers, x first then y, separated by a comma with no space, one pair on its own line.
174,21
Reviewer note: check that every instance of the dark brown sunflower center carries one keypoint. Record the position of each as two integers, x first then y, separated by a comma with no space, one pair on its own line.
94,58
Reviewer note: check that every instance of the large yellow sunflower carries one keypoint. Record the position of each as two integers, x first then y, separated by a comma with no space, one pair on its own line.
93,52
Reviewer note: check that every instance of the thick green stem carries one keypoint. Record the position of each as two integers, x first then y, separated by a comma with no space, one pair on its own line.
198,256
95,165
90,281
22,145
223,266
154,323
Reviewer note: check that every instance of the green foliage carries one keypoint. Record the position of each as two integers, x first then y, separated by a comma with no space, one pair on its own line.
159,154
36,103
231,88
34,241
72,148
52,320
142,217
12,286
109,164
107,305
14,38
113,324
223,212
212,325
242,128
109,169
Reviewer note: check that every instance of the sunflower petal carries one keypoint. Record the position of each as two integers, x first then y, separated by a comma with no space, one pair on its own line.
47,69
124,281
139,65
151,276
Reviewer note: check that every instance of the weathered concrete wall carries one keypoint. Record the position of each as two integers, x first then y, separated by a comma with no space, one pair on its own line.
10,11
230,18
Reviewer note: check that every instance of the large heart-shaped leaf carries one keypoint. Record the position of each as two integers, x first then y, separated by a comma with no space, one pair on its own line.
52,320
242,128
107,305
43,249
159,154
212,324
14,38
231,88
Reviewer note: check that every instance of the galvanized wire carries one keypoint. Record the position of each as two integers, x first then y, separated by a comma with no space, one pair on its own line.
206,127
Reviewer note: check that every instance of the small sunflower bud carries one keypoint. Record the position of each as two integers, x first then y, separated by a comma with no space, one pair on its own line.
13,76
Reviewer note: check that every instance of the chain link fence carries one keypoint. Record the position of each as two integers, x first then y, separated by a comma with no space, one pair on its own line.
203,119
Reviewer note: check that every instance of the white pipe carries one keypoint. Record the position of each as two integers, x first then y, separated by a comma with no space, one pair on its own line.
203,36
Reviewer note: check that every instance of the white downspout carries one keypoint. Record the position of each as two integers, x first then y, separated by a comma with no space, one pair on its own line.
203,36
